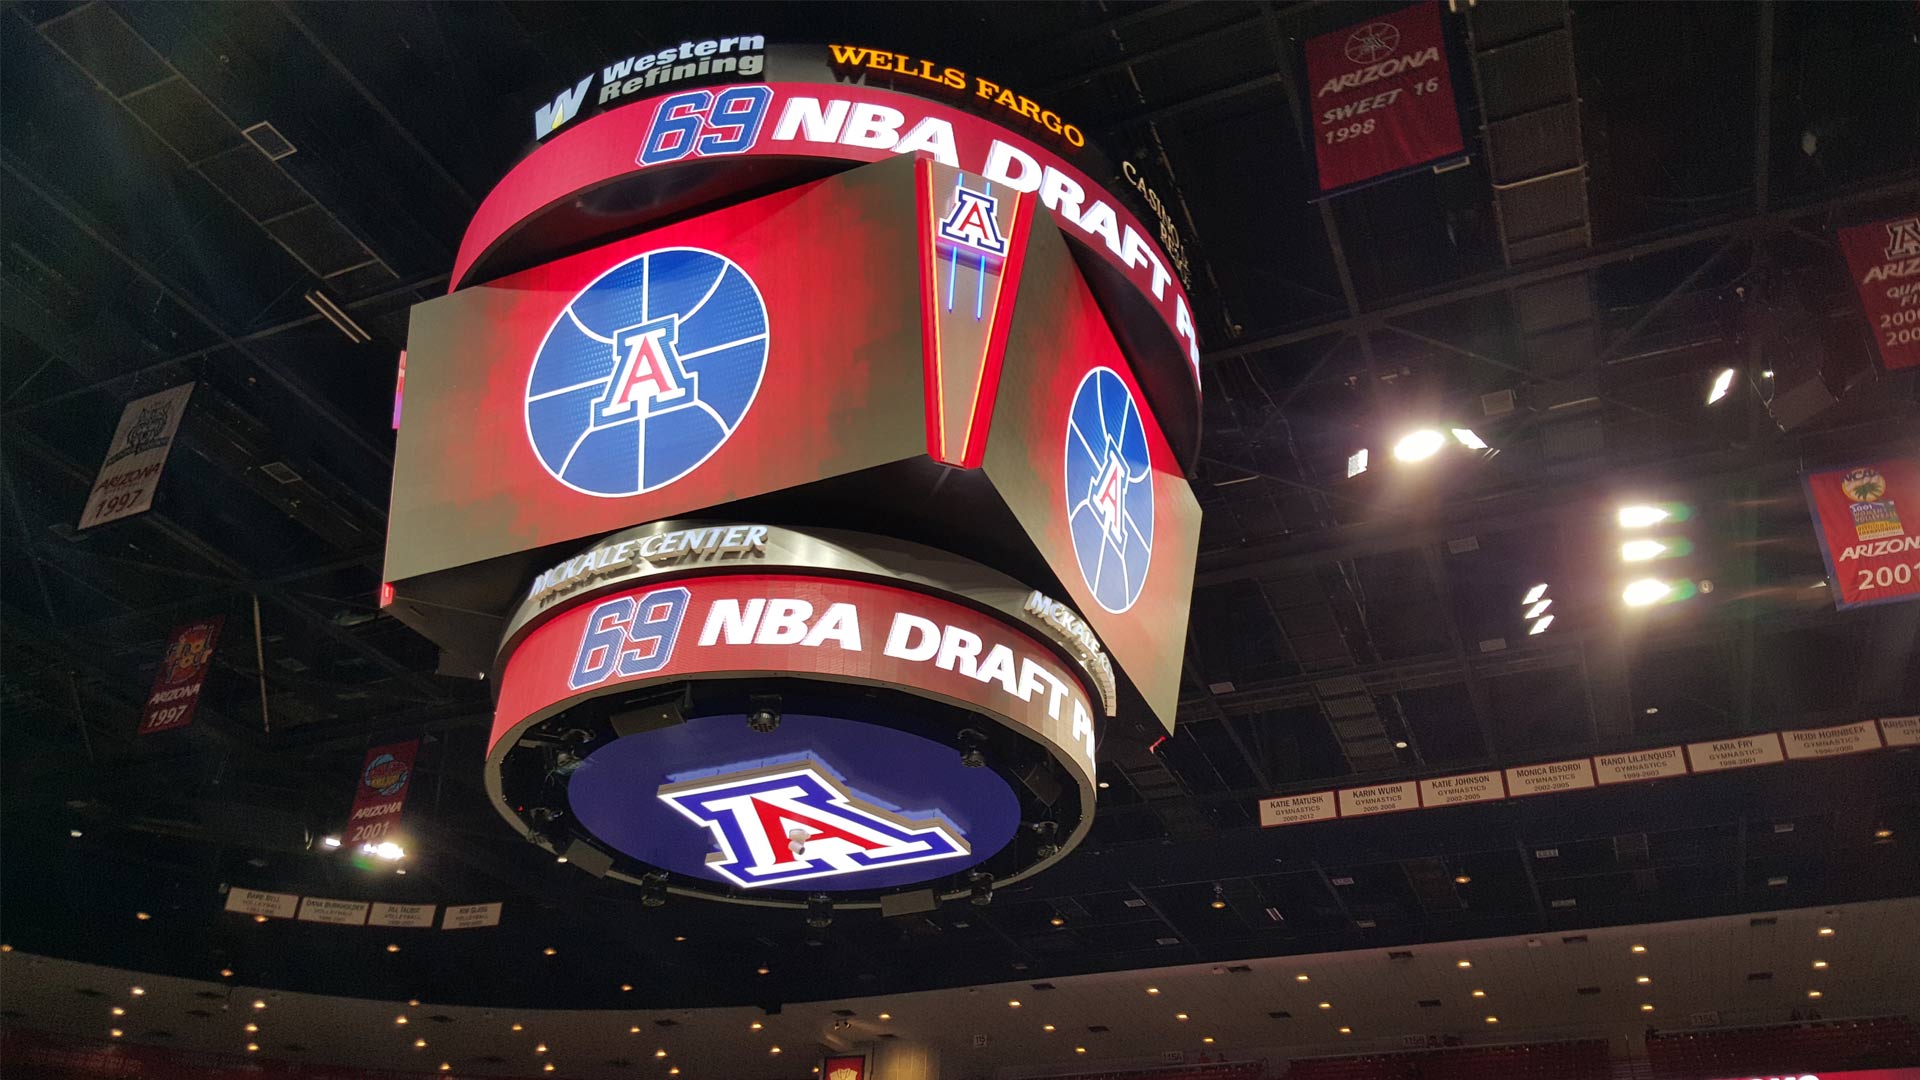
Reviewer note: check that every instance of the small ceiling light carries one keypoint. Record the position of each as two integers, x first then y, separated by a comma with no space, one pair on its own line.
539,1048
634,1030
1463,964
1646,1008
259,918
1541,626
257,1003
1813,993
626,988
115,1032
413,1003
1820,965
1057,921
1302,977
1643,979
1400,744
142,916
401,870
517,1027
679,937
446,1066
1461,879
1219,901
548,1067
762,970
330,841
1826,931
1493,1019
75,833
1103,785
1013,1004
1479,993
5,948
391,947
1207,1039
419,1044
253,1048
560,858
252,1028
773,1049
1534,594
1639,948
1046,1027
549,951
1079,1049
1418,445
660,1053
1883,834
886,1016
1639,517
137,991
1180,1016
1326,1004
675,1070
401,1019
1641,550
1153,989
118,1011
226,973
1646,591
1346,1031
1722,383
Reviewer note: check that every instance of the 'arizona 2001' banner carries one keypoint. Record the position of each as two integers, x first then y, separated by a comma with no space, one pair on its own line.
381,794
1868,518
1884,259
1381,96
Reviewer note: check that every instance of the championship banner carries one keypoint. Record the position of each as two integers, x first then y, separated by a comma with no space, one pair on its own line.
136,456
382,792
176,688
850,1067
1382,97
1872,554
1884,259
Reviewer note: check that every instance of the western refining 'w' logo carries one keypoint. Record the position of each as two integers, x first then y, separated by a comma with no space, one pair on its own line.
548,118
775,825
971,222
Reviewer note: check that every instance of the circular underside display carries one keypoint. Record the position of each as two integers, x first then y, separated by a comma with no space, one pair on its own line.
819,804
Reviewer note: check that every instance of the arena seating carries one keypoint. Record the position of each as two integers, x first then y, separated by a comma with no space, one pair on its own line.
1867,1042
1585,1059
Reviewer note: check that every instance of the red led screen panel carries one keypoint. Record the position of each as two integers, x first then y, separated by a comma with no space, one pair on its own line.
837,629
1381,97
847,122
1884,259
1080,458
749,350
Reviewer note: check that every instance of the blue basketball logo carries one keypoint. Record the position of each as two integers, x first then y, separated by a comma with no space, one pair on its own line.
647,372
1109,489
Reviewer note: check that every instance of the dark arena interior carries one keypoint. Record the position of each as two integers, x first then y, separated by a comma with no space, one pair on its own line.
1086,539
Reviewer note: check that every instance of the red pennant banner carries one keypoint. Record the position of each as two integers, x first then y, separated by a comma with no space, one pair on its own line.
1381,97
176,689
1868,518
1884,259
381,794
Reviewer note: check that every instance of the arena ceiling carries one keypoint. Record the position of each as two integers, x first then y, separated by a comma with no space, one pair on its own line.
1652,196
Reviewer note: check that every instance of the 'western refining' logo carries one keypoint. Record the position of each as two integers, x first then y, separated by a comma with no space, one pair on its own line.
744,55
780,824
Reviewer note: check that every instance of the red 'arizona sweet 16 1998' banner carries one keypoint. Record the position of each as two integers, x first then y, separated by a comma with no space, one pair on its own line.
1381,97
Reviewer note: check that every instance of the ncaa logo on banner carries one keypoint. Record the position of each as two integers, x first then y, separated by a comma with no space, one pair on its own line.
1109,489
647,372
799,822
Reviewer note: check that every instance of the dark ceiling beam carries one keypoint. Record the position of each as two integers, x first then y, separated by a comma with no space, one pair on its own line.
1906,182
273,369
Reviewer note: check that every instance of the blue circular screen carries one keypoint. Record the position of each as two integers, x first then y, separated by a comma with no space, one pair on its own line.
647,372
1109,489
820,804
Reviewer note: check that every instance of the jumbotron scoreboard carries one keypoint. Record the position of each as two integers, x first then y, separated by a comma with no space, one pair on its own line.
800,453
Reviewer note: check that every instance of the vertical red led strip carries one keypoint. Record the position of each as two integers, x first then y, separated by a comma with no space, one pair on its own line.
974,447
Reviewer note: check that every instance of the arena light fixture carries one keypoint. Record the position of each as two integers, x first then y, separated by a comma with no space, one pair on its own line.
1465,437
1541,626
1646,591
1357,463
330,841
1535,593
1641,550
1722,383
1418,445
1538,609
1640,517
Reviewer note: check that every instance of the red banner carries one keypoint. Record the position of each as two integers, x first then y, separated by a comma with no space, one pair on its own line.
1884,260
1382,97
176,689
741,625
851,1067
1868,518
381,794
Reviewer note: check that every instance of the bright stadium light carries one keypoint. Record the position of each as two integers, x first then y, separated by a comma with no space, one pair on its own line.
1639,517
1538,609
1465,437
1419,445
1534,593
1722,383
1646,591
1641,550
1541,626
385,849
1356,463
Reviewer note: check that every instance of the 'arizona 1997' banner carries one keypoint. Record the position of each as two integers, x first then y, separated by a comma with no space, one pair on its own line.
1381,97
1884,259
1868,517
176,688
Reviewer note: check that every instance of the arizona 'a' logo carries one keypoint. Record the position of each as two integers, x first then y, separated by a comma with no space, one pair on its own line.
1903,238
647,372
775,825
971,223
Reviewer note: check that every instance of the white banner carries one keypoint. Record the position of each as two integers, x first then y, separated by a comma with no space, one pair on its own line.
470,916
1553,776
1832,741
1379,799
1901,730
254,902
337,912
1462,789
401,915
1297,809
1735,753
1640,765
138,452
